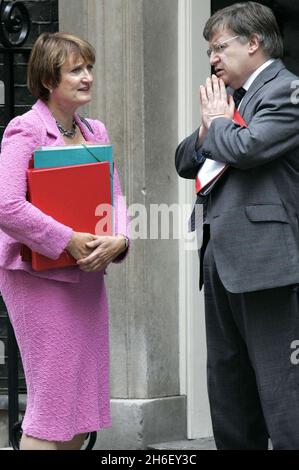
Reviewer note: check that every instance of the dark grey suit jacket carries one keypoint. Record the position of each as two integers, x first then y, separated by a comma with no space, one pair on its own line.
254,209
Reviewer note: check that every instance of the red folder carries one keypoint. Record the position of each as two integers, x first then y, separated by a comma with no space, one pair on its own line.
72,195
238,119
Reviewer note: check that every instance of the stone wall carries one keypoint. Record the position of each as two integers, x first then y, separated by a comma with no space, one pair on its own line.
135,94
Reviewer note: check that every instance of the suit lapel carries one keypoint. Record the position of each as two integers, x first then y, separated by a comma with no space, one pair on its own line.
265,76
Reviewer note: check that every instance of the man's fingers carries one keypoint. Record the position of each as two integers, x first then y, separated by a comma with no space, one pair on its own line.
223,93
216,87
209,88
203,95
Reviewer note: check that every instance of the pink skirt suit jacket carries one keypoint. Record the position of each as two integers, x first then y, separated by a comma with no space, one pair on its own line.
60,317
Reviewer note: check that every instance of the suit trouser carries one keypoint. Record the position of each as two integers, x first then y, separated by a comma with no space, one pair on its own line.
253,375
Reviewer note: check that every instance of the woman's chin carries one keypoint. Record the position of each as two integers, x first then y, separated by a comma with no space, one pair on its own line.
81,102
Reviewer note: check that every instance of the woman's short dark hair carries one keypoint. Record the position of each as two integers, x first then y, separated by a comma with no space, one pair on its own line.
246,19
49,53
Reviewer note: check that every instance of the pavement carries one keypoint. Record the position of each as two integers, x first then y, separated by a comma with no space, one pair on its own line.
191,444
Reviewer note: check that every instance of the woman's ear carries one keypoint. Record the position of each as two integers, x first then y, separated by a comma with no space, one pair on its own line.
48,87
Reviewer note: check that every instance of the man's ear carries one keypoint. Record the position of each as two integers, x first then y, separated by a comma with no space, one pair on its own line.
254,44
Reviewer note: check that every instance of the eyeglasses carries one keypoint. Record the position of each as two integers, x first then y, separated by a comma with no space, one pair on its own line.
218,48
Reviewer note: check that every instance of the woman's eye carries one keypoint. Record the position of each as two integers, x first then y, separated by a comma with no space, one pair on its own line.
79,69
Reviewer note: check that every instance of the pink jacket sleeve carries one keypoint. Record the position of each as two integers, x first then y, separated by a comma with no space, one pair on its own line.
18,218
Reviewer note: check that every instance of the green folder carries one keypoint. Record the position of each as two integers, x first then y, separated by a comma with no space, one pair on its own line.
49,157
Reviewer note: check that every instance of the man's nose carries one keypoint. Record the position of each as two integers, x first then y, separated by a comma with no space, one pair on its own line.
214,59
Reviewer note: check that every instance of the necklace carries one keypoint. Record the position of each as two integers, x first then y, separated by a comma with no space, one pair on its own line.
66,132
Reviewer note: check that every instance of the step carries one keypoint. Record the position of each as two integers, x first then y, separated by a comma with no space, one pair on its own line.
190,444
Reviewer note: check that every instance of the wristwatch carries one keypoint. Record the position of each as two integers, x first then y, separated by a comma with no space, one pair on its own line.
126,242
125,239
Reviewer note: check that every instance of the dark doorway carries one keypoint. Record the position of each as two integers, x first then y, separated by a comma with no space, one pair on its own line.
287,15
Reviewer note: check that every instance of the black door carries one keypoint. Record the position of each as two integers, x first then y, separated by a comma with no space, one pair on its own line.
42,16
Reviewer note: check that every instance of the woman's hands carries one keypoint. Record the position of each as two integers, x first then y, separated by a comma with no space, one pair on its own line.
214,104
104,250
77,246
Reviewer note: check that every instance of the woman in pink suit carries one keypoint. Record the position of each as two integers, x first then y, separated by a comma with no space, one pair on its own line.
60,316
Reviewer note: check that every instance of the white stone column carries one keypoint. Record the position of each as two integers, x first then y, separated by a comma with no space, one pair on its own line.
136,95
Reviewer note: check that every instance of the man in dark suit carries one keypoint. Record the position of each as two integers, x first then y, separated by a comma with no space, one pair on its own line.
251,262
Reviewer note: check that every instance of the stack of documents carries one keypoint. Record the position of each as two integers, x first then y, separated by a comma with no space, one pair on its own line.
49,157
67,184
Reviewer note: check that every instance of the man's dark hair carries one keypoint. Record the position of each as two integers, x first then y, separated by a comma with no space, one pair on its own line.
246,19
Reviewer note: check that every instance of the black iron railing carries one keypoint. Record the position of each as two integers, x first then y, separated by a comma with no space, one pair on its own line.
14,31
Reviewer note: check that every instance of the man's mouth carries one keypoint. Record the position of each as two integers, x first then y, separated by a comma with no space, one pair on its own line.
218,72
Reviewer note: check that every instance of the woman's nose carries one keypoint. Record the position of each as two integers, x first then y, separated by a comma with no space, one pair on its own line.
88,75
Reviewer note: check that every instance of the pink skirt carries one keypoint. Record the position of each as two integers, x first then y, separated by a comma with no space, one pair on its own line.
62,332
